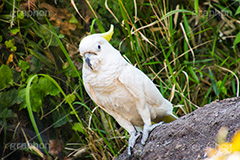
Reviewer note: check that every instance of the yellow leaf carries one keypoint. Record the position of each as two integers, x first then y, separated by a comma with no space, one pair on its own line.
236,142
10,59
225,147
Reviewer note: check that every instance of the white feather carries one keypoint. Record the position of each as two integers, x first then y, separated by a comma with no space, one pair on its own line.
119,88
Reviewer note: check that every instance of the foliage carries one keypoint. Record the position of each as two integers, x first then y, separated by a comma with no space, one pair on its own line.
6,76
190,49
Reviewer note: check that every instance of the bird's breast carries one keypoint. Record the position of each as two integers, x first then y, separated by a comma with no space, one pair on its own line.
112,94
116,98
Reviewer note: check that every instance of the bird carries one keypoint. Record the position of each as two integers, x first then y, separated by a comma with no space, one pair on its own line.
122,90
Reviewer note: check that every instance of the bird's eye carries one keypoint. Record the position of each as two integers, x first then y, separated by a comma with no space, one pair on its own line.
99,47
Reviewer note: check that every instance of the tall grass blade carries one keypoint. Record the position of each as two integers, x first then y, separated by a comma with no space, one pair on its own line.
30,112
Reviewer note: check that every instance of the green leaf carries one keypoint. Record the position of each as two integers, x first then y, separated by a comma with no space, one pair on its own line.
236,41
10,43
70,98
21,96
196,6
61,36
0,38
22,106
7,113
35,65
23,65
14,31
221,87
20,15
59,119
238,11
73,19
65,65
8,98
13,49
36,97
194,74
6,76
48,87
215,89
78,127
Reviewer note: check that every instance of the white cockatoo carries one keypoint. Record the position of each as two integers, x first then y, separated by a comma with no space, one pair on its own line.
120,89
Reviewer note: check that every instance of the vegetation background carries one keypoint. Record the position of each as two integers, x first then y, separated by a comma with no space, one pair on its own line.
190,49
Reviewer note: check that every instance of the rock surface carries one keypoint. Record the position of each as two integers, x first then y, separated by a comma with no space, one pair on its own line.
189,136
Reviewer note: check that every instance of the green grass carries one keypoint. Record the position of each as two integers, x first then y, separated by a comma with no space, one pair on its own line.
189,52
190,67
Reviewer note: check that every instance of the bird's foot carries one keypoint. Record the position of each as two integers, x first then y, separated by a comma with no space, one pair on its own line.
146,130
131,142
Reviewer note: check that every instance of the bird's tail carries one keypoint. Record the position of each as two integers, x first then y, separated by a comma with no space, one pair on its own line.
169,118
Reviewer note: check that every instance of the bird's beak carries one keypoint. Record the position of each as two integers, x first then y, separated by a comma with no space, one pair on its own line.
108,35
87,60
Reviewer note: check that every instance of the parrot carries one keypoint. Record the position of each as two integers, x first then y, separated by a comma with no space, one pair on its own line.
122,90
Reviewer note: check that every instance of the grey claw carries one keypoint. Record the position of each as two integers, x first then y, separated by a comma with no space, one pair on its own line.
132,141
146,130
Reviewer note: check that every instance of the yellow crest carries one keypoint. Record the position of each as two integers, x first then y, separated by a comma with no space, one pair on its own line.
108,35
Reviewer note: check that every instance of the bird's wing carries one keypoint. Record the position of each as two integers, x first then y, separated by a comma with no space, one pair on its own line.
139,85
145,93
133,80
